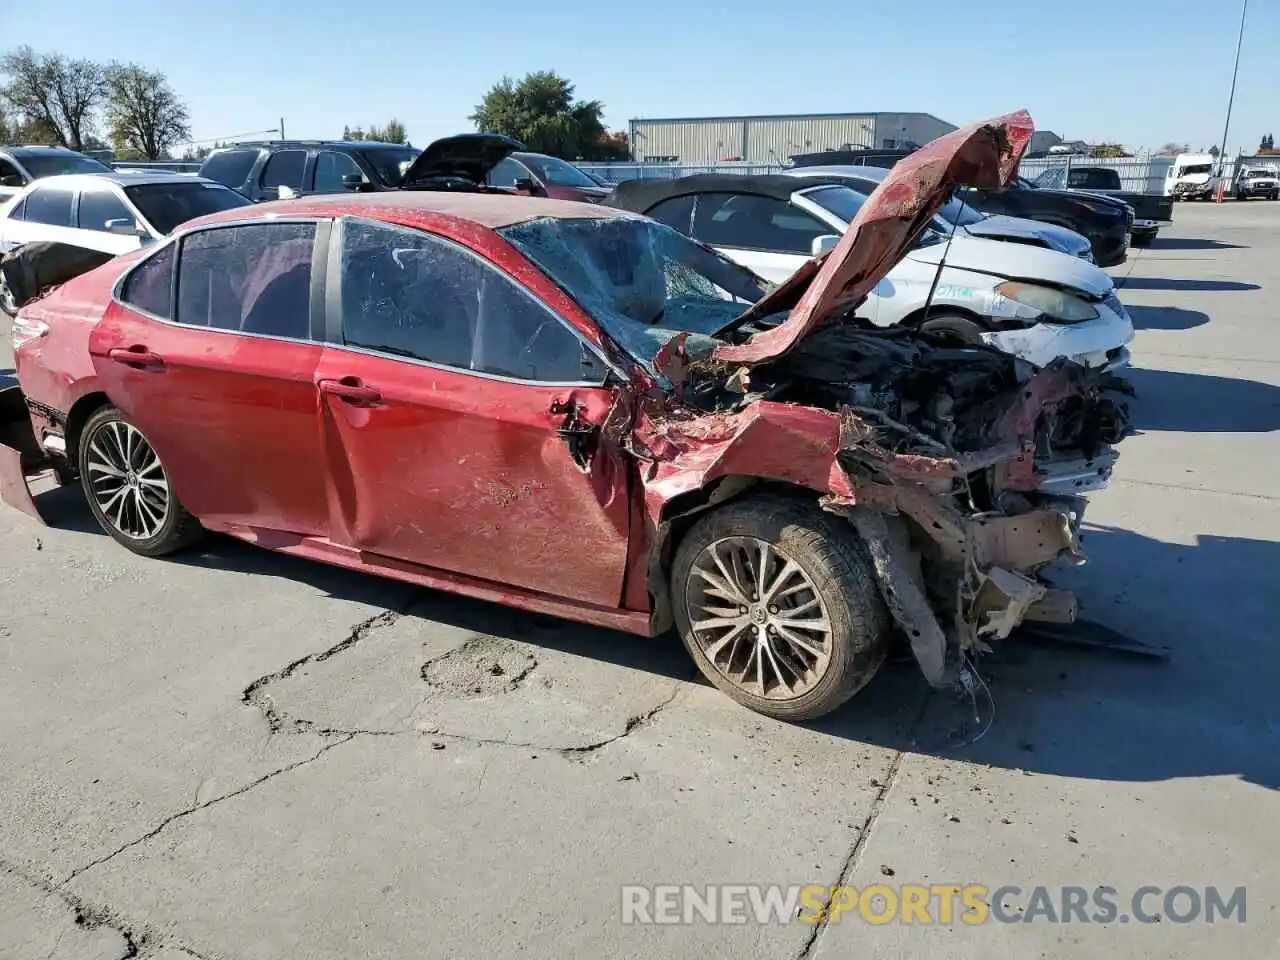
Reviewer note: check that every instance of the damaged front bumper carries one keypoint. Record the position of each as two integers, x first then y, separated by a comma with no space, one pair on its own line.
21,455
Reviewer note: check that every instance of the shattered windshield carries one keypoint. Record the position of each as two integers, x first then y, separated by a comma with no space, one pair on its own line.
642,281
390,163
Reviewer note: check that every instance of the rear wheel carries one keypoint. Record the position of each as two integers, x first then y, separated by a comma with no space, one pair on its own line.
778,606
128,489
7,302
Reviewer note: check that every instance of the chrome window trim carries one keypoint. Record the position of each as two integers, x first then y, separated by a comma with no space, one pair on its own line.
334,301
177,238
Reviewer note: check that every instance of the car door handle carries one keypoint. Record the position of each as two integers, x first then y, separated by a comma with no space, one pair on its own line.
135,357
351,390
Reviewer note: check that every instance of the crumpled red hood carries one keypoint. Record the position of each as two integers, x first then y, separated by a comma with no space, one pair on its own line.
982,155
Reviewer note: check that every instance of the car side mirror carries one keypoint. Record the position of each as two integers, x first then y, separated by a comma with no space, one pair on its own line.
12,180
352,181
824,244
125,227
526,185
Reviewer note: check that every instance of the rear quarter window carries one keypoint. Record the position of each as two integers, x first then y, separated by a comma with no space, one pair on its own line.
230,168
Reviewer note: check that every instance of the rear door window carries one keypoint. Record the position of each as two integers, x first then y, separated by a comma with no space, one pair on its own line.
149,287
746,221
331,167
284,169
254,278
99,206
231,167
506,172
676,213
49,205
409,294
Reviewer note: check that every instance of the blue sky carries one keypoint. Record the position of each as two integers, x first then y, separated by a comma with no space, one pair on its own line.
1142,72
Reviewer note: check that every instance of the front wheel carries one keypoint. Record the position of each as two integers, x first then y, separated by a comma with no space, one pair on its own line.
778,606
128,489
953,327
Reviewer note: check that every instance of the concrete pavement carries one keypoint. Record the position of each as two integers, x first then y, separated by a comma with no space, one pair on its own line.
232,754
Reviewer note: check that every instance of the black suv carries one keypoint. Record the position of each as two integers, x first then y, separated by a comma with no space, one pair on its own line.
20,165
1104,221
260,169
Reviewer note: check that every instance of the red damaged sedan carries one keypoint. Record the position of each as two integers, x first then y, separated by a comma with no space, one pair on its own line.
574,410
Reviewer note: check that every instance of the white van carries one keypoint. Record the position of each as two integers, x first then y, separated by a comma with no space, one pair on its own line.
1192,175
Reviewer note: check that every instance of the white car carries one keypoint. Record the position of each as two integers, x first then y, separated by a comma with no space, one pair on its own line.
958,216
112,212
1036,304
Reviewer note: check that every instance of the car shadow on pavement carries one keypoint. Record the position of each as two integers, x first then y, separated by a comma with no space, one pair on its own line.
1093,714
1165,318
1186,286
1194,243
1209,710
1202,403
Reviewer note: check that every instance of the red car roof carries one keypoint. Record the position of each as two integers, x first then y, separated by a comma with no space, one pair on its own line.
419,208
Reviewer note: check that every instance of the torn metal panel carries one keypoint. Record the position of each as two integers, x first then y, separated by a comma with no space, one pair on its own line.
20,452
982,155
897,568
1003,601
35,268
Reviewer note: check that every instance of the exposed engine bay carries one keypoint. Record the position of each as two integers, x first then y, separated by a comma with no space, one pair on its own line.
963,468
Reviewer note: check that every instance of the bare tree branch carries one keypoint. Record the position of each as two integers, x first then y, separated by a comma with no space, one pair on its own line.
143,112
54,93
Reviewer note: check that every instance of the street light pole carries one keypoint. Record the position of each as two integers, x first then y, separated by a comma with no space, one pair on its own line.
1244,8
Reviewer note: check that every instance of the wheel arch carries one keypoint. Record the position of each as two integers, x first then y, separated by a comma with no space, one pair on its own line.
681,512
916,317
77,417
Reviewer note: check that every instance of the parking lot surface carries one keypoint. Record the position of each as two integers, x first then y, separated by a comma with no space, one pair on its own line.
233,754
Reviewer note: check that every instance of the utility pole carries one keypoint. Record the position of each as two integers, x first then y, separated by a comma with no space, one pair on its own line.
1244,8
282,118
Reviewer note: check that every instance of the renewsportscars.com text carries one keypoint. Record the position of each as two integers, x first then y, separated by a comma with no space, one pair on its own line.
921,904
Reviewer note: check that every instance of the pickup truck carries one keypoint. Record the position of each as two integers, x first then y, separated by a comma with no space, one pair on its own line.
1149,210
1258,182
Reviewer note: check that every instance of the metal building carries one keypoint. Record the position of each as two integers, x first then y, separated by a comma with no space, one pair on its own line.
774,139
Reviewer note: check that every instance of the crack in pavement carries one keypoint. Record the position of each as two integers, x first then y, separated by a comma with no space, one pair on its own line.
155,831
84,915
569,753
864,833
253,696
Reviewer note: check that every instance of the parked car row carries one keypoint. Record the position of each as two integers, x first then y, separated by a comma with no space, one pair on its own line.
1029,299
467,389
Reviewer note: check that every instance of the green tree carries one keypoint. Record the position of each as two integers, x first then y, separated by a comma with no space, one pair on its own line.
144,115
55,95
541,112
393,132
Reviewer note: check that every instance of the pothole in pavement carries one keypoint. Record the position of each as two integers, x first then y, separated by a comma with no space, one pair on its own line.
481,667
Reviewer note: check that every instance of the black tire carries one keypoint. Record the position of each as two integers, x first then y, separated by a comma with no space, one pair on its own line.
832,559
176,529
953,326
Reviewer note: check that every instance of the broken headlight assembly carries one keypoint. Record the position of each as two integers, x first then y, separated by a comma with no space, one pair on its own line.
1056,305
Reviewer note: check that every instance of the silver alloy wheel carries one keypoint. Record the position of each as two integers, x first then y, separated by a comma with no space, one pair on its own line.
758,618
7,303
127,480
